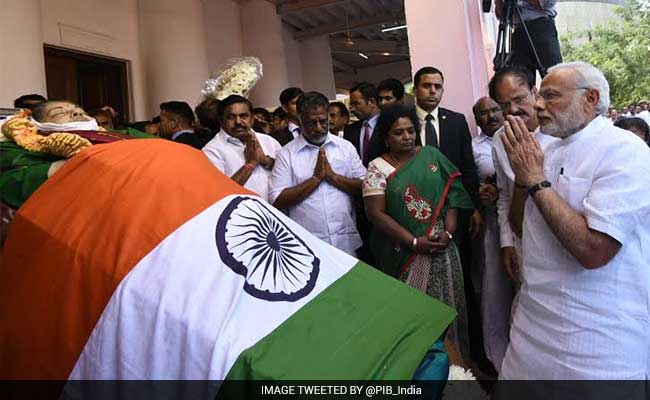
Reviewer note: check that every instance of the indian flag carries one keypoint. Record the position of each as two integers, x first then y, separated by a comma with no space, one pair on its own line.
139,260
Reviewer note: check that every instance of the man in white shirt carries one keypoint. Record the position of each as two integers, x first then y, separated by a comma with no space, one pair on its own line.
288,100
584,304
515,92
339,117
316,176
645,112
496,287
247,157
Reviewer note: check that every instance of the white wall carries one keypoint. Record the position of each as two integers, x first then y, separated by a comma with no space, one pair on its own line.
222,20
174,50
317,70
22,67
262,38
102,27
293,57
575,16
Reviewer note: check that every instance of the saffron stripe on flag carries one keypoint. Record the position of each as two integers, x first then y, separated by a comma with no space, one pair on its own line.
104,210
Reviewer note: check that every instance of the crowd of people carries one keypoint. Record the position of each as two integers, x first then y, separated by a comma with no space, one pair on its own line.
531,230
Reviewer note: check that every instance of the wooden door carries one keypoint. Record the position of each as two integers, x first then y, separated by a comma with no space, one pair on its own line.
88,80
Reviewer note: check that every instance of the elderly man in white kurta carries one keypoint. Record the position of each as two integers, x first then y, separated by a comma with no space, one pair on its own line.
316,177
584,306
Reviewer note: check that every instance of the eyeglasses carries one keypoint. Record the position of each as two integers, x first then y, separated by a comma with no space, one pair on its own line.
550,95
518,101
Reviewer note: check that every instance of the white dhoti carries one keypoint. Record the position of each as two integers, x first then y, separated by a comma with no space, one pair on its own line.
496,294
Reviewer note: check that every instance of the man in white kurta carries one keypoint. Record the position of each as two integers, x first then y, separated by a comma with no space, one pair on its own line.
228,152
516,94
316,176
496,287
584,304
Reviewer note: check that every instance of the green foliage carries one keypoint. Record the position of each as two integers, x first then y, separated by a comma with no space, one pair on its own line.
621,49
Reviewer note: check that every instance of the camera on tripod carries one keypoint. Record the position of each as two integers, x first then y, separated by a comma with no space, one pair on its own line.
507,26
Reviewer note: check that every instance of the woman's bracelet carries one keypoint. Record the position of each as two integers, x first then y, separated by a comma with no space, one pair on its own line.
414,245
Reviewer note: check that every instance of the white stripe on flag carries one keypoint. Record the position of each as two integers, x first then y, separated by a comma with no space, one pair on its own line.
182,313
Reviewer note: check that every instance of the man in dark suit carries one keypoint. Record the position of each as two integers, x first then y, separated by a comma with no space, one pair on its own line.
208,116
177,123
364,104
448,131
445,129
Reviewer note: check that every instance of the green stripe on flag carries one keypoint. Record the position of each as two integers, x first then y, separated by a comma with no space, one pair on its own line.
364,326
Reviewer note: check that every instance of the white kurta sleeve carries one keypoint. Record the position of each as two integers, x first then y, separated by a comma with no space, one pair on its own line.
619,198
215,157
356,168
281,177
505,186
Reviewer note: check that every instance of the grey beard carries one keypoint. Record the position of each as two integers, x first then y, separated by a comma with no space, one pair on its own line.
566,124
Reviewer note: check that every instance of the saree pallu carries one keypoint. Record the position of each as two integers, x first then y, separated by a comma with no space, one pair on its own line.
418,196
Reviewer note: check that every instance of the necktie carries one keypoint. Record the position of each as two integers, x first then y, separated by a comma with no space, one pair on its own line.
366,141
430,132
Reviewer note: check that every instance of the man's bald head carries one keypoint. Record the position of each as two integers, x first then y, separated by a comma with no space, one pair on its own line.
488,115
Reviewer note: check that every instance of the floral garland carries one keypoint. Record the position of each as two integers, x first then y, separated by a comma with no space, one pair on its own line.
24,132
237,76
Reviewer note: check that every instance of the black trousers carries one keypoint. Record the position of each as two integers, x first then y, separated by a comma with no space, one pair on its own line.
544,37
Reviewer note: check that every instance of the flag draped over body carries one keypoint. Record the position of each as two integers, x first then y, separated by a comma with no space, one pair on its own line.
139,260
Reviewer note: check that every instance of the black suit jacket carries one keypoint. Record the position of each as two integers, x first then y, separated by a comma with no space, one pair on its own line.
352,133
456,145
283,136
190,139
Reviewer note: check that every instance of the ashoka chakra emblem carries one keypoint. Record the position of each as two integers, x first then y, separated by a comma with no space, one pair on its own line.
252,241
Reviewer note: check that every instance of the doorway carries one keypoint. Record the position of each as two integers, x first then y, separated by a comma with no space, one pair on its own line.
89,80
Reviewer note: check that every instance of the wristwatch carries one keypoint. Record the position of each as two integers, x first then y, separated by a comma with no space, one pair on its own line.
536,188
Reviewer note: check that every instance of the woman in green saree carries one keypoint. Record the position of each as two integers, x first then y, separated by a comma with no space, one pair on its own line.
412,196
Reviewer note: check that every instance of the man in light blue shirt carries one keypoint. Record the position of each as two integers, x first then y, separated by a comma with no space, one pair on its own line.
315,177
177,123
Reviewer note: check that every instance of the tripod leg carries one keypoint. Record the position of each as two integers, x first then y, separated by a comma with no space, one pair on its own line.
540,66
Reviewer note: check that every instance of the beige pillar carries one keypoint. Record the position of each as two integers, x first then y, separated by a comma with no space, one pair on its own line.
22,65
262,38
317,69
173,50
447,34
293,57
222,20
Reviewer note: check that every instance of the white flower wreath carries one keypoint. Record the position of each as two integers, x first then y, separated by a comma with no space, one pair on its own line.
237,76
